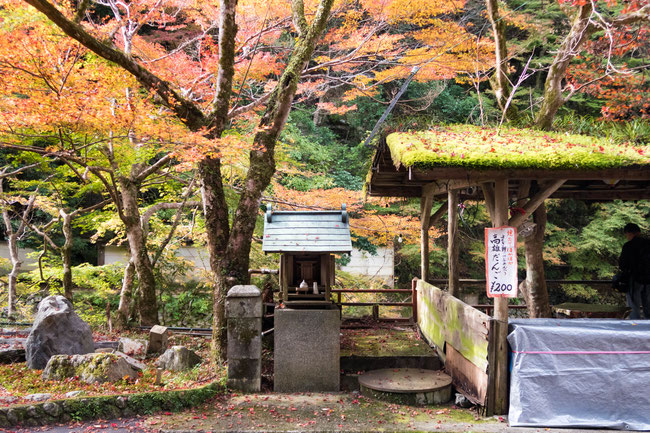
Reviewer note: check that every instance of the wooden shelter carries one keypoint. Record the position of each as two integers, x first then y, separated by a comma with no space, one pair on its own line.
306,241
500,167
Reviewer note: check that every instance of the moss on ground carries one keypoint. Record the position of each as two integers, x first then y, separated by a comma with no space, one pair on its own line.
309,412
383,342
473,147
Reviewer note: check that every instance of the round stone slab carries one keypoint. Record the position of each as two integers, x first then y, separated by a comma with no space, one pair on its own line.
407,385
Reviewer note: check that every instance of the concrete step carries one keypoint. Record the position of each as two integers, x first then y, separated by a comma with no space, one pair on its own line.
365,363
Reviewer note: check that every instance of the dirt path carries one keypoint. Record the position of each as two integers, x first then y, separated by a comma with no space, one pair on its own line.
130,425
328,413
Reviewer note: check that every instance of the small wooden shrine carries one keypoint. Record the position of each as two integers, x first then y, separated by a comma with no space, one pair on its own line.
307,242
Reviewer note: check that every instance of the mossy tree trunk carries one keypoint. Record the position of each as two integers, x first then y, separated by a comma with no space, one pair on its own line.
136,236
553,97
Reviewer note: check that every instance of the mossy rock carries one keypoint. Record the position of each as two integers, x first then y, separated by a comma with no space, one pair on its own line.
90,368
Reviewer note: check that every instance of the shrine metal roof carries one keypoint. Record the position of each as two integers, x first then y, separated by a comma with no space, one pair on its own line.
306,231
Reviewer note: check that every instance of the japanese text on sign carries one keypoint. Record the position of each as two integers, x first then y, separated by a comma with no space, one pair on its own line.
501,262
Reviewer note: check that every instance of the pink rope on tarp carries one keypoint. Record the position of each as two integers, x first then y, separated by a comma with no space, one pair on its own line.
569,352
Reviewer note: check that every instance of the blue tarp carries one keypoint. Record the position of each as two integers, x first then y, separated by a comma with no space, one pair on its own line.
580,373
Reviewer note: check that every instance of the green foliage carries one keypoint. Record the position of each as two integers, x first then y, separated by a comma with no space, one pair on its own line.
326,161
186,304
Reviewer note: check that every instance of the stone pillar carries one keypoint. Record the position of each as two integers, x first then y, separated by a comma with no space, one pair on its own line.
306,353
244,316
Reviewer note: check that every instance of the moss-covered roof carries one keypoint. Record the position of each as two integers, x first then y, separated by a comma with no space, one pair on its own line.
473,147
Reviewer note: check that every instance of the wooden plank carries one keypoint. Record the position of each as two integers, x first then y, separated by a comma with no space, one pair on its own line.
272,236
302,224
466,376
444,319
278,217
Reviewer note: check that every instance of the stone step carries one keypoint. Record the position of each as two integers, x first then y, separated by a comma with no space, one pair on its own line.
412,386
11,356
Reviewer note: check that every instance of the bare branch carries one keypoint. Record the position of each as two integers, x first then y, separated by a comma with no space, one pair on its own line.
153,168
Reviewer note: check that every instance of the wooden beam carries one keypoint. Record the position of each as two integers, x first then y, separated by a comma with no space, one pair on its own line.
500,219
433,219
627,173
488,194
425,214
452,242
443,186
534,202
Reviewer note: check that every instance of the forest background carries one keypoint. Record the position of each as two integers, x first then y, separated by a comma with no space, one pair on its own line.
93,154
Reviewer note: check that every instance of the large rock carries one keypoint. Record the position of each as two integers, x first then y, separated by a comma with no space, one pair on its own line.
57,330
90,368
178,358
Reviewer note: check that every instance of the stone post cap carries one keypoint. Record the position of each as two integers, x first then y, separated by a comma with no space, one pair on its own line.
158,329
247,291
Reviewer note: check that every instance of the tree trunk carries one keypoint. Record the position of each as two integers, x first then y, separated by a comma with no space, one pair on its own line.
65,254
13,275
499,81
231,265
147,304
552,99
535,292
126,293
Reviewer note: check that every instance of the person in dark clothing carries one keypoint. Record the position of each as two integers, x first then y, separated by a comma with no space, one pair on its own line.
631,265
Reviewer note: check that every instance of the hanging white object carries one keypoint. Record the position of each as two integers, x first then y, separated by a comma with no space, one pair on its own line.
315,288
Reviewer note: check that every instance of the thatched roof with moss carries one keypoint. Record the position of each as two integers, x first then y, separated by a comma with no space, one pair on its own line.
595,168
474,147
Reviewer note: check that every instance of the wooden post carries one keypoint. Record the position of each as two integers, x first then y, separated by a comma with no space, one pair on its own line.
414,298
500,218
452,242
425,215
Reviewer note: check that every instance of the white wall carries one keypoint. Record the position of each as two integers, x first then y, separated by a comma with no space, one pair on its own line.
381,266
29,264
199,256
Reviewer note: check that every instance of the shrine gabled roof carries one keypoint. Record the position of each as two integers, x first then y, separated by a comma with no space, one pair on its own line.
306,232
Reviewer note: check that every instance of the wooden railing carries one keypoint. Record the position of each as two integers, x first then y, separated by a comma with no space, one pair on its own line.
412,303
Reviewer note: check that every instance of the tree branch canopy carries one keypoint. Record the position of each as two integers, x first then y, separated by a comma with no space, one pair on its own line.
187,112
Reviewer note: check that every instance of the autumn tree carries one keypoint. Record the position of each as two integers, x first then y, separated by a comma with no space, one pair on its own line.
229,245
